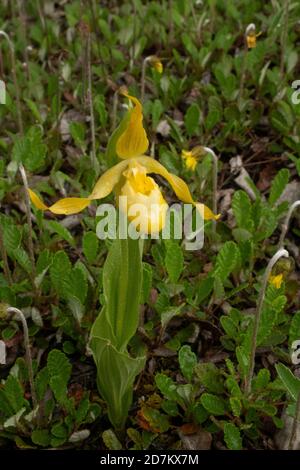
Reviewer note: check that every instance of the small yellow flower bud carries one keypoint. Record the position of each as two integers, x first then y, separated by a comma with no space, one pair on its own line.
156,64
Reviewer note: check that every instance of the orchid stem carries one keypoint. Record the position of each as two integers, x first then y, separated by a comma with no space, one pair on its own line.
286,223
115,110
279,254
20,315
90,99
22,15
215,161
29,221
295,425
284,36
133,48
15,80
171,23
143,79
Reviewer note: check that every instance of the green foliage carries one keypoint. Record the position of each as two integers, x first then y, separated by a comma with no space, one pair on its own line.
278,185
174,260
30,149
213,404
116,325
232,437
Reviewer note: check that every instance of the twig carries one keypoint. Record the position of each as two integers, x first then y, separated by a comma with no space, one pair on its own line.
20,315
279,254
286,223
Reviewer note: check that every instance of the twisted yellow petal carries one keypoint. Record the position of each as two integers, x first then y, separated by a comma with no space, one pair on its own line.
133,142
179,186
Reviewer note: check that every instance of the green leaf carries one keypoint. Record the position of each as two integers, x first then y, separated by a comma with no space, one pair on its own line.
232,437
23,259
241,206
261,381
147,282
290,382
166,386
30,149
236,406
243,359
99,104
60,271
90,245
213,404
59,431
210,377
58,365
192,118
219,292
41,383
204,289
226,260
215,112
168,313
118,320
11,234
77,284
41,437
174,260
116,388
77,131
82,410
294,332
157,421
278,185
64,233
110,440
14,393
187,361
282,117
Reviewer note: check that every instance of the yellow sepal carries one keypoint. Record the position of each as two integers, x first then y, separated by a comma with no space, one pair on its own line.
133,142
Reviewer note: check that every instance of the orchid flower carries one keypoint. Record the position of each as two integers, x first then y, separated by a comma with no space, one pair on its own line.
130,178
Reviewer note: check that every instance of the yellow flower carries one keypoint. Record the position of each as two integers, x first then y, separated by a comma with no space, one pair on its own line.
276,280
156,63
191,157
130,178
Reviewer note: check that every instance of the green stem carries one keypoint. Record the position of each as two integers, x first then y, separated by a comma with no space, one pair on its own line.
279,254
286,223
20,316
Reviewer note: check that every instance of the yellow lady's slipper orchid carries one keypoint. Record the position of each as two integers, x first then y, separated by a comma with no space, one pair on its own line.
156,63
276,280
129,178
251,35
191,157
